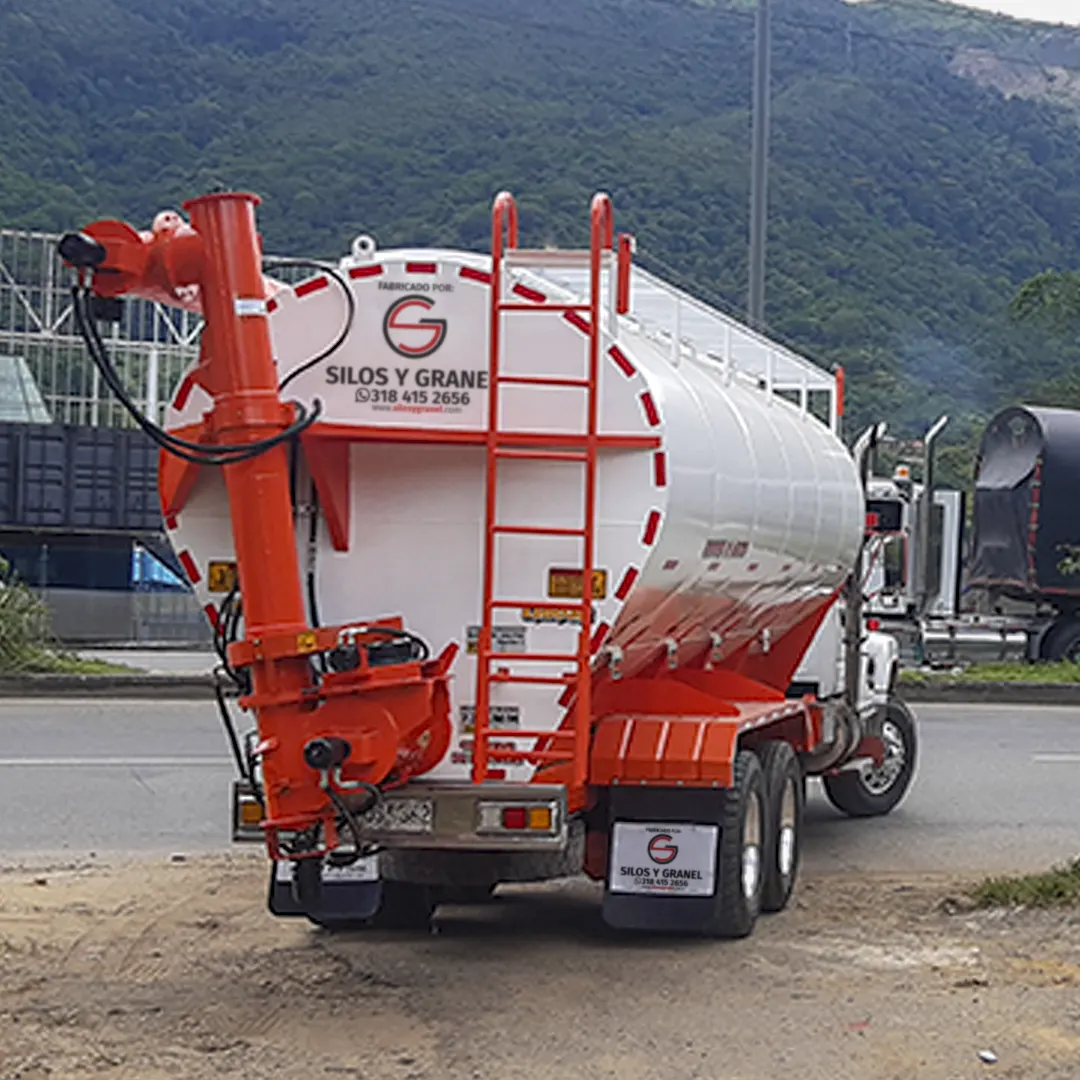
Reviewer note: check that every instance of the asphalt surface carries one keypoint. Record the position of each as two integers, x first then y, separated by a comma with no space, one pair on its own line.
997,789
157,661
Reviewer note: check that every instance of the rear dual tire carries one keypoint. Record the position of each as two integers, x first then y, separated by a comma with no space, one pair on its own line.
761,838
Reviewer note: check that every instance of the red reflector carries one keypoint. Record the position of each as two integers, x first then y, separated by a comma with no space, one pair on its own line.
873,624
514,817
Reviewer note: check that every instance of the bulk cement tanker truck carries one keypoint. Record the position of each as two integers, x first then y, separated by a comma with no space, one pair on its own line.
525,565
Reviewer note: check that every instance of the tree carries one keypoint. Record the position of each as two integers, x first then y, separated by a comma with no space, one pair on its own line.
1052,297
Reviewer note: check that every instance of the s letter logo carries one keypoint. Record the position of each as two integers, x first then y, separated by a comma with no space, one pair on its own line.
661,849
407,333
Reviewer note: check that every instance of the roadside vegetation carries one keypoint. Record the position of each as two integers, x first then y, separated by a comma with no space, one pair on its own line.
1062,672
27,645
1059,887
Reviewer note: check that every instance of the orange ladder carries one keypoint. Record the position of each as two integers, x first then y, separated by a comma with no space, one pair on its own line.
571,743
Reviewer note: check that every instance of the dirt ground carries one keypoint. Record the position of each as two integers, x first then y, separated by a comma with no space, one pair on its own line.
161,969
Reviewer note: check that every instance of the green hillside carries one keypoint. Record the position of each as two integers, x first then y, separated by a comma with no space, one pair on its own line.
908,203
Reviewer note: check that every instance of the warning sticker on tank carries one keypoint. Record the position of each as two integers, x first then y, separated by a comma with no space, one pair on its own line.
558,616
663,860
463,755
504,639
500,717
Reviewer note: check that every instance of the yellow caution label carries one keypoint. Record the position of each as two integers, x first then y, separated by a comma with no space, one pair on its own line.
570,584
307,642
221,577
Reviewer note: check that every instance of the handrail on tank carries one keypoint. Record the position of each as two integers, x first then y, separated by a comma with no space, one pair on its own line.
601,217
504,224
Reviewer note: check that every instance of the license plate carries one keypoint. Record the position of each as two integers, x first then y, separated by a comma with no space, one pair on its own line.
400,815
365,869
663,859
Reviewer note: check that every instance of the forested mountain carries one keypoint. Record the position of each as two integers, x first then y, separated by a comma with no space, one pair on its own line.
910,198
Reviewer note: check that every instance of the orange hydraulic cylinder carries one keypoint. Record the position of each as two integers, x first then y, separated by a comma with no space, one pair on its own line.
248,408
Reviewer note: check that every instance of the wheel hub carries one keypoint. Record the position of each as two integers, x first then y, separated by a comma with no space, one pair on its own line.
785,855
879,778
751,848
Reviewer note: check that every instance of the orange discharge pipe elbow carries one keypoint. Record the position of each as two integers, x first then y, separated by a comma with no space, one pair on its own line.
394,718
163,263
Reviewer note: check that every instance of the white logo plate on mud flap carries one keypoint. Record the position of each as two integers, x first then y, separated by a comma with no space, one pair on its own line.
366,869
663,860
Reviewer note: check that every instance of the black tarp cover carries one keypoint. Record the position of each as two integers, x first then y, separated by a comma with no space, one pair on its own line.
1027,503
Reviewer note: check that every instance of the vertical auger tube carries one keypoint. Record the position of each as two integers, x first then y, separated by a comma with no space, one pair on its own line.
247,408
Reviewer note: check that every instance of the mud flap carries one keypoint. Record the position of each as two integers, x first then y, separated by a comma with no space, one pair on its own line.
344,893
663,865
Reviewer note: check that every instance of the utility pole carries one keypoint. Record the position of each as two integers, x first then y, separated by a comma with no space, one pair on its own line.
759,180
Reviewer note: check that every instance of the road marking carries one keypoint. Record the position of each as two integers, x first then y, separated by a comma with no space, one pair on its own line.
1056,759
123,763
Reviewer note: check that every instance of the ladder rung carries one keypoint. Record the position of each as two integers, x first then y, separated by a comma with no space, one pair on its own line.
539,257
542,455
510,306
529,755
540,605
537,530
543,380
538,658
534,680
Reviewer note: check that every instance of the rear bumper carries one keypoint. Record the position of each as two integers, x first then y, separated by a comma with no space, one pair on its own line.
447,817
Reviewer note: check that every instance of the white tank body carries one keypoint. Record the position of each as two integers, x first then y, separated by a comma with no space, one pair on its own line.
724,513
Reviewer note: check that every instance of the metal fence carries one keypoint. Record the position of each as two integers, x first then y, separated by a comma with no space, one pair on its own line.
150,347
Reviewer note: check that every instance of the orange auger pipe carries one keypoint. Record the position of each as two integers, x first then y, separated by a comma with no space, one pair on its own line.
394,717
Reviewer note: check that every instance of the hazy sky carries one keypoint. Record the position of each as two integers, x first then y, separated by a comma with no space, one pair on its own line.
1055,11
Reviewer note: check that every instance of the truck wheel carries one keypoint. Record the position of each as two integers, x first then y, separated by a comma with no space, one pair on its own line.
405,906
784,801
873,791
1063,641
740,862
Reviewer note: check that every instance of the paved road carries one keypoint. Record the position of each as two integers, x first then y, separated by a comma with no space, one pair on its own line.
157,661
998,787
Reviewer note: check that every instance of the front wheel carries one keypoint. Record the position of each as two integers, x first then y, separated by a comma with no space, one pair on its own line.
875,790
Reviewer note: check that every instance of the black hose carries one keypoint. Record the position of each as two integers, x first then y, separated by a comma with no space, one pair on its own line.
243,767
350,315
197,453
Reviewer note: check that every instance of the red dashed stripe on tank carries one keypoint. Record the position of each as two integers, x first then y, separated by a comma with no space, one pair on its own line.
528,294
621,361
421,268
577,320
271,305
472,274
306,288
652,527
599,636
212,614
188,563
365,271
660,469
649,407
187,384
171,523
627,583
